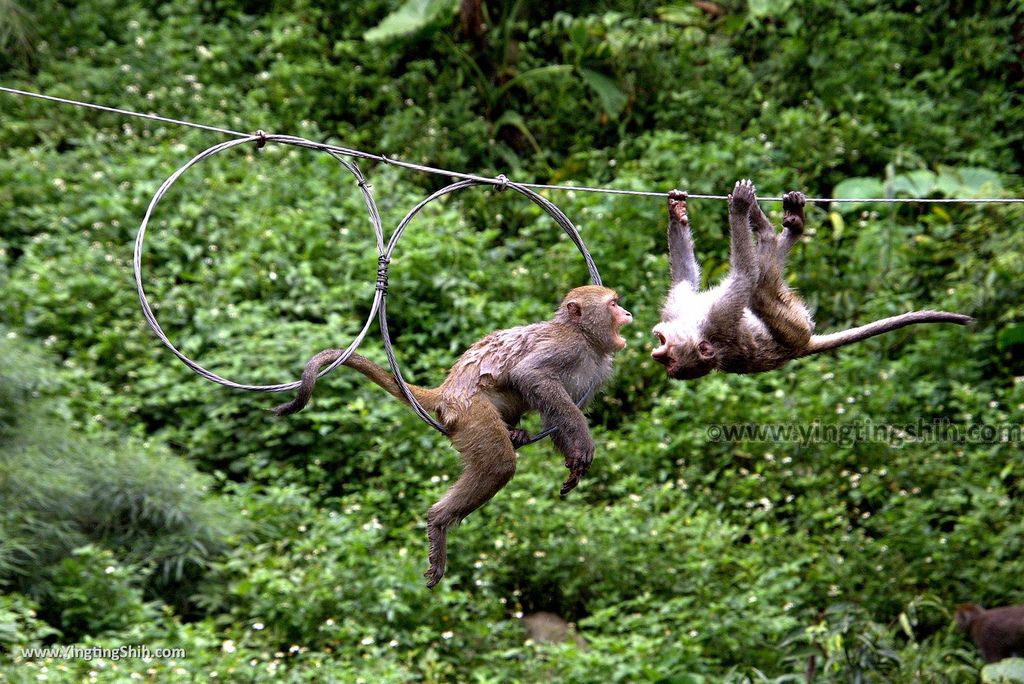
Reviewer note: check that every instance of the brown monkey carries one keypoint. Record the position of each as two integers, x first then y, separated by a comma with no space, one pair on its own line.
998,632
751,322
543,627
547,367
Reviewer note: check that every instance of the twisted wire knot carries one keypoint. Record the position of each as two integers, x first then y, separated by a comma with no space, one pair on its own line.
382,273
261,139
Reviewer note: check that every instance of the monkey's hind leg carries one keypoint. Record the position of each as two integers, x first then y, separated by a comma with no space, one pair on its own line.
792,222
489,462
774,303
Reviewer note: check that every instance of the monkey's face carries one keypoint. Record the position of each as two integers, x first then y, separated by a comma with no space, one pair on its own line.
966,614
685,357
597,312
619,317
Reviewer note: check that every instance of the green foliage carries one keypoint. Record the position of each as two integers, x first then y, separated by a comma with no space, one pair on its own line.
275,549
20,624
96,595
62,492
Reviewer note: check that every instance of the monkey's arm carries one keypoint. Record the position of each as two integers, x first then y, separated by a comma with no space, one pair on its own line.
682,260
543,393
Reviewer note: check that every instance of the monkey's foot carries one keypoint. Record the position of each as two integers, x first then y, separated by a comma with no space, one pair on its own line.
793,211
578,464
743,196
677,206
434,574
569,485
518,436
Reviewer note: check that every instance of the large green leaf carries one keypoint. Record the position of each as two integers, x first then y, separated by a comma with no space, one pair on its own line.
917,183
1009,671
409,18
969,181
977,181
613,100
856,188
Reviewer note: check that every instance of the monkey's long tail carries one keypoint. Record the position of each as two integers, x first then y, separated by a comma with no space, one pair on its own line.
820,343
427,397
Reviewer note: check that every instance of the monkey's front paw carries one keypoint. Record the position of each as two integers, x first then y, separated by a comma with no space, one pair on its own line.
519,437
743,196
793,201
677,206
434,574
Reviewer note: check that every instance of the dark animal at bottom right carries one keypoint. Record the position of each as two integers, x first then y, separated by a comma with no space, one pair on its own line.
998,632
752,321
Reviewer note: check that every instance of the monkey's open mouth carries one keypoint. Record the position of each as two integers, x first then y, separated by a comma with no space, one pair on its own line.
660,353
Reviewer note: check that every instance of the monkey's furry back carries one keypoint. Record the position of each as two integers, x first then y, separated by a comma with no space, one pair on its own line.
487,364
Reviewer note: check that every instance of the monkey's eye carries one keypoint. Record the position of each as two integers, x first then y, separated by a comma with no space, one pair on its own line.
661,338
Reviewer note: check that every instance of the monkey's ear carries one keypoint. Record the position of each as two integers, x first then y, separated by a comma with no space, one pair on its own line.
574,309
706,351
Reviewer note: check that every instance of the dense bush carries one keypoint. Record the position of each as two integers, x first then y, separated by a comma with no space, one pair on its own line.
140,504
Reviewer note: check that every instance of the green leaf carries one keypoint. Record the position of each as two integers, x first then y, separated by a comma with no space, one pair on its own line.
681,15
838,225
409,18
976,182
769,8
905,624
1008,671
613,100
948,181
560,70
918,183
857,188
515,120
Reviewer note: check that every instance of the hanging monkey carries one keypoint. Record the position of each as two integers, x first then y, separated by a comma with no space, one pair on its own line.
751,322
548,367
